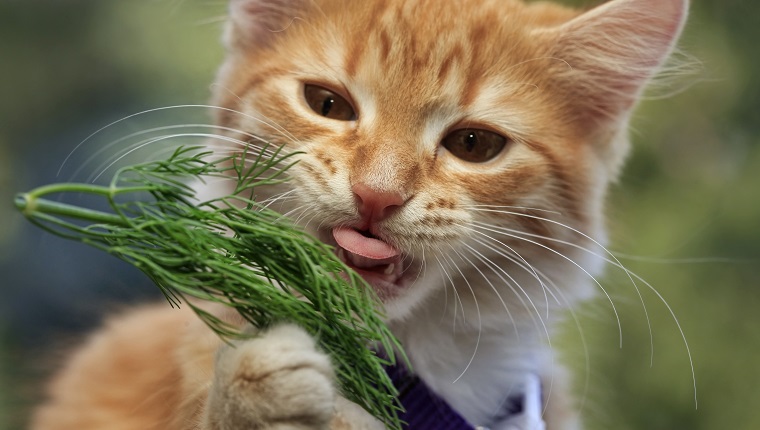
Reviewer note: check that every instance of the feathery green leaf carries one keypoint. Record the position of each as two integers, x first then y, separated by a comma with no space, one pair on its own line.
233,251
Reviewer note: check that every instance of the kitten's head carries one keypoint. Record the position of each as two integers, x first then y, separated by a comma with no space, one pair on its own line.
447,143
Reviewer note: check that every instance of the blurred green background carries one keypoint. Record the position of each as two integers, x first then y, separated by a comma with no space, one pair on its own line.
686,215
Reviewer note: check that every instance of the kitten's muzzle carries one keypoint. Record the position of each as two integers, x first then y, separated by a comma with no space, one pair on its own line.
379,263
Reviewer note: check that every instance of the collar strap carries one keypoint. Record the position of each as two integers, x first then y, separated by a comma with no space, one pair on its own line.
425,410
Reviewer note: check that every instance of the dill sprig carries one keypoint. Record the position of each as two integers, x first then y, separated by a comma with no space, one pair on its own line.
234,251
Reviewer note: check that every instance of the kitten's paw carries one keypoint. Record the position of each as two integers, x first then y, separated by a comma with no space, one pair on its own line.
277,380
350,416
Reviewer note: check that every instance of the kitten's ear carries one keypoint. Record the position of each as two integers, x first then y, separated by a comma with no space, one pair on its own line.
257,22
613,50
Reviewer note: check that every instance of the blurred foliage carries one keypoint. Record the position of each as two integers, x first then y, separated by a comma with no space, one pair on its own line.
686,211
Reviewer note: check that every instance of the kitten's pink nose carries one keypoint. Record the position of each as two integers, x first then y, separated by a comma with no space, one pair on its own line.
375,205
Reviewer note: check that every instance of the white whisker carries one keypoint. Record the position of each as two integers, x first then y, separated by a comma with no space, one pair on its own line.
593,278
157,139
166,108
694,260
528,267
480,207
456,294
282,197
488,264
616,263
496,269
477,310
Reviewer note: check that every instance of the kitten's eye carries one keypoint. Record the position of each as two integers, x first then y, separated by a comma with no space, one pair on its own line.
474,145
328,104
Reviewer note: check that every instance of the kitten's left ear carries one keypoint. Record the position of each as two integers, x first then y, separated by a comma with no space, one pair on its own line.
612,51
258,22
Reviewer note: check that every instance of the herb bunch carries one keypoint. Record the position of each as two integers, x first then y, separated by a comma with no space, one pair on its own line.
234,251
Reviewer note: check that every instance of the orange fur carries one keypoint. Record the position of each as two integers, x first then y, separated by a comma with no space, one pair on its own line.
559,84
116,381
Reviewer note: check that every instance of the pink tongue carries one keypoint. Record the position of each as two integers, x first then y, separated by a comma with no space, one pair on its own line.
355,243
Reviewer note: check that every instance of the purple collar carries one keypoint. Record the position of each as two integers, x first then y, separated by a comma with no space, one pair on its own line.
425,410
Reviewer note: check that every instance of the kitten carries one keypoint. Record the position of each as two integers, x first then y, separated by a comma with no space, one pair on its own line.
456,153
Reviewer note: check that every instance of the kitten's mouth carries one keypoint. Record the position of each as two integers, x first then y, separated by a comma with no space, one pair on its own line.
378,262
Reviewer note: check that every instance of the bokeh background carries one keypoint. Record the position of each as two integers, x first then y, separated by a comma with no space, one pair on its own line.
685,216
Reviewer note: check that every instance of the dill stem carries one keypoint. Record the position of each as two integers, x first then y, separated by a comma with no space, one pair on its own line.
30,205
86,188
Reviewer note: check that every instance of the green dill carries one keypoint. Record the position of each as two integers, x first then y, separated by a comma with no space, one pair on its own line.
233,250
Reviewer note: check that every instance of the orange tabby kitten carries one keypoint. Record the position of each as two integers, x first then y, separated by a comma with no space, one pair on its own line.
456,153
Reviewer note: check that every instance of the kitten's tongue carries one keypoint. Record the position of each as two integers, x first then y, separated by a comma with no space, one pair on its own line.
367,247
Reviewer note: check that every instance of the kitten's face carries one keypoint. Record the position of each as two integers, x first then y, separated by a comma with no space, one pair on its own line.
425,127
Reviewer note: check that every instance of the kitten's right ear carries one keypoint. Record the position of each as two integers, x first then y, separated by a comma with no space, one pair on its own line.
256,23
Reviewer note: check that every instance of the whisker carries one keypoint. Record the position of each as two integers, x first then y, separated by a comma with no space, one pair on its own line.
546,331
166,108
694,260
631,275
614,308
499,271
456,294
493,266
212,20
584,346
157,139
615,263
651,288
478,207
131,149
477,310
106,147
314,215
281,197
423,272
483,259
303,208
513,251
